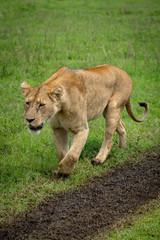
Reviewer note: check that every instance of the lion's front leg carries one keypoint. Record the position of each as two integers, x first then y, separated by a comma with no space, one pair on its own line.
67,164
61,139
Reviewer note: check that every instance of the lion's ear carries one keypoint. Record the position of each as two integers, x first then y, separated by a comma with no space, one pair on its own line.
25,88
56,93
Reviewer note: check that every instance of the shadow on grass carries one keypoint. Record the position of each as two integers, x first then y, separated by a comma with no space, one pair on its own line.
91,149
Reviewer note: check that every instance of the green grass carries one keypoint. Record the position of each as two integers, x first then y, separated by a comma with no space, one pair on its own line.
145,227
37,38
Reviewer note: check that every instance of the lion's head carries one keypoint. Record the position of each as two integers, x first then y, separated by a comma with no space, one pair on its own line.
41,103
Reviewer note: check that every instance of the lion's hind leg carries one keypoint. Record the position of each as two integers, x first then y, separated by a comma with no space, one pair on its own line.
112,116
122,134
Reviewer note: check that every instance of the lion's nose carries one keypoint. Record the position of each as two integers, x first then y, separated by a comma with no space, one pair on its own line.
30,120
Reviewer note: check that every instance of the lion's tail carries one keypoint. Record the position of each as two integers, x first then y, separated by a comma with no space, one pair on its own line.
130,112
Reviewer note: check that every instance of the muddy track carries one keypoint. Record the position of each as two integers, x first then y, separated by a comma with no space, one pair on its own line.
100,203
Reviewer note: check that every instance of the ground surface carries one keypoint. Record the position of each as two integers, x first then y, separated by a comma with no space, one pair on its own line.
99,204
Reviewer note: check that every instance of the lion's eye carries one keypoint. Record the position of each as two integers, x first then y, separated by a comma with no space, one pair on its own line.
27,103
41,105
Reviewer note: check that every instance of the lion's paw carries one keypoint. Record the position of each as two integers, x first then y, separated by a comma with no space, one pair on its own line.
95,161
65,168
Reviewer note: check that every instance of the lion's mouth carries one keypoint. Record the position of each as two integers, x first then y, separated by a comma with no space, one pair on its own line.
36,128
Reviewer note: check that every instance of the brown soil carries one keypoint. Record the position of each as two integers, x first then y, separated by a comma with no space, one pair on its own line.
99,204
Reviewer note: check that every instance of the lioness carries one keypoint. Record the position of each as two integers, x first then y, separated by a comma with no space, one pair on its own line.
71,98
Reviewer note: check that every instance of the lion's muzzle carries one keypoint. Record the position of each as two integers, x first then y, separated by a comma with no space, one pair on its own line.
36,128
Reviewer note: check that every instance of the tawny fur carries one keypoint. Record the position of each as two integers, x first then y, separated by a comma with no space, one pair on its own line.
71,98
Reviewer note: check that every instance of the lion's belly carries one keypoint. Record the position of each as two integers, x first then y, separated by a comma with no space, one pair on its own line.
95,115
96,103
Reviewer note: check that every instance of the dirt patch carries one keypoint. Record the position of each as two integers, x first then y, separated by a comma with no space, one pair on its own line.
99,204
